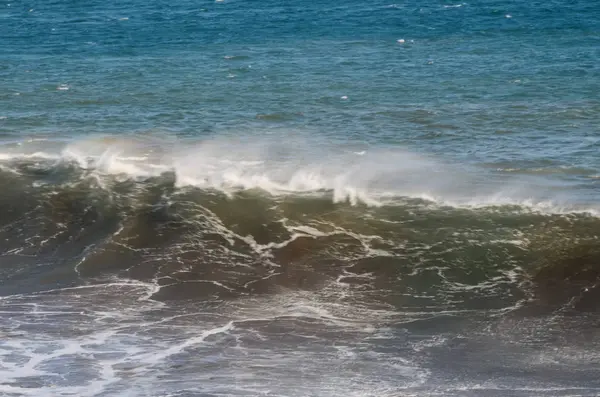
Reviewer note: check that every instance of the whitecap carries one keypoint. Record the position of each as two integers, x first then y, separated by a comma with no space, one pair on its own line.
293,165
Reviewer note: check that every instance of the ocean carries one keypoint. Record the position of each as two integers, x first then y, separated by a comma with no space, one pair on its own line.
299,198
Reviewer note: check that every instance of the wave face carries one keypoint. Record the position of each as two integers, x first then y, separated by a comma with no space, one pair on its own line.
142,259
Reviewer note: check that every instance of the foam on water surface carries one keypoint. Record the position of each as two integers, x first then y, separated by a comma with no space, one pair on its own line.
297,344
308,199
131,349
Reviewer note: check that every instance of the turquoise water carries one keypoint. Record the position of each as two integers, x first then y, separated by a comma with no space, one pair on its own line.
299,198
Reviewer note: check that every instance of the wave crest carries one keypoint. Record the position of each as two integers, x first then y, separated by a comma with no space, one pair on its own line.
284,165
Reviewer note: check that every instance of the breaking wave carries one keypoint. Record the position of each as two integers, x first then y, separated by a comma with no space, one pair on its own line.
280,166
124,258
258,215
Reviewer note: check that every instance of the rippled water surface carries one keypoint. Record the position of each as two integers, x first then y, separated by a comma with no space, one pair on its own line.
240,198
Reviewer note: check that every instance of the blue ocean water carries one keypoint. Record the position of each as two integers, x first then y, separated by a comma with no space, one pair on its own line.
488,80
299,198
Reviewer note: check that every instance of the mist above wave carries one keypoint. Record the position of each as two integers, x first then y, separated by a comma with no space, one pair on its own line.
295,164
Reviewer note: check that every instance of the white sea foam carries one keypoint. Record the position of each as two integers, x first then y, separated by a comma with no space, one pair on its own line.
110,339
25,156
283,165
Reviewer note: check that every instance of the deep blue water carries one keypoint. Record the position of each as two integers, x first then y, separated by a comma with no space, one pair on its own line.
485,74
299,198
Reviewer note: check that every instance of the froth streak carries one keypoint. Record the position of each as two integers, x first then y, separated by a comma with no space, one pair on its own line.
104,215
204,244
